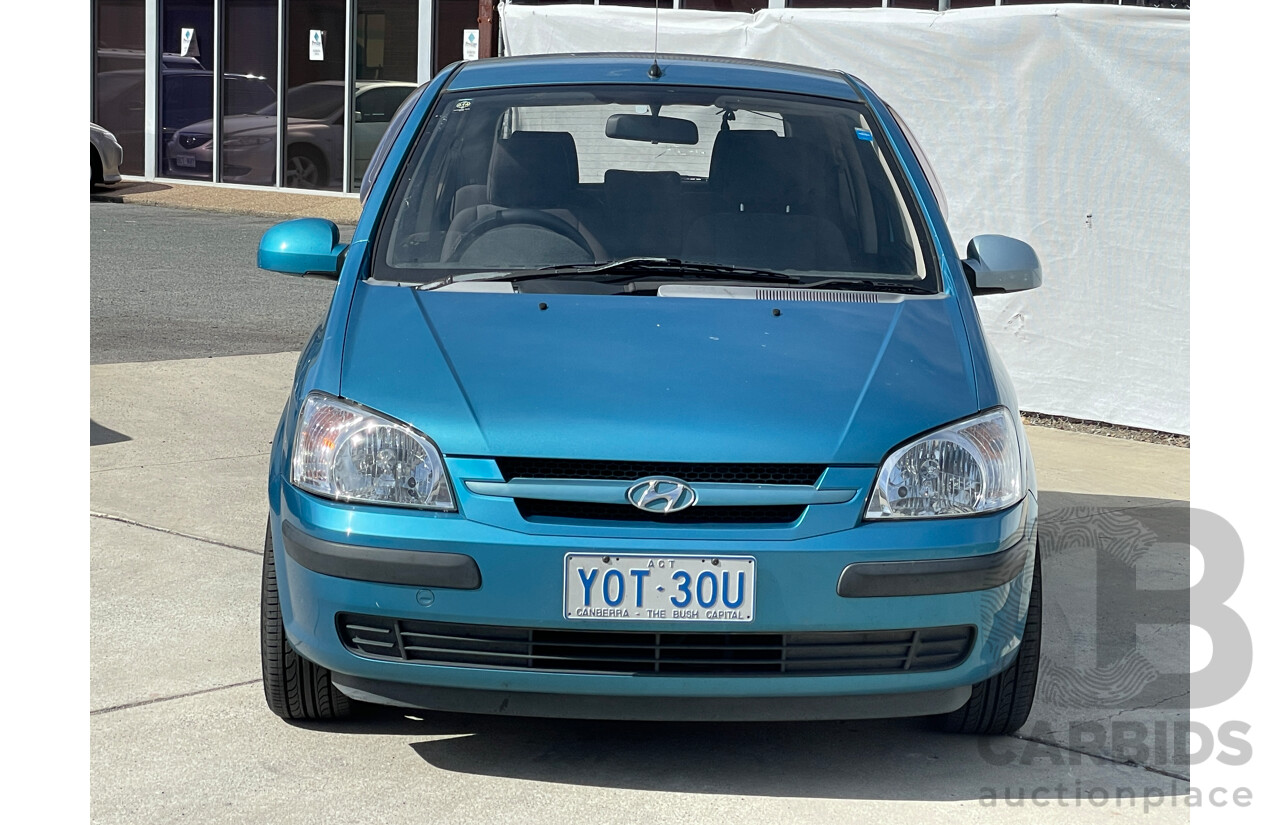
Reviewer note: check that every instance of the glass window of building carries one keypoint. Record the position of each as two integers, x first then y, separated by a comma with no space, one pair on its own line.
315,98
186,89
747,6
119,89
250,76
386,72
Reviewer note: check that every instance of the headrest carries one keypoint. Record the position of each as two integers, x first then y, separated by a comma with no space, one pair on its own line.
636,191
468,196
755,168
533,170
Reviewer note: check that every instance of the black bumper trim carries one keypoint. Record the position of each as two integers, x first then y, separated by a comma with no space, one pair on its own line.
934,577
416,568
653,708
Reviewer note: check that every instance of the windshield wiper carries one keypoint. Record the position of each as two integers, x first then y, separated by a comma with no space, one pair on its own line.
644,266
626,269
868,285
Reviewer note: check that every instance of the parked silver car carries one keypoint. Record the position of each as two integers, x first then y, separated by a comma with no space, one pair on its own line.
105,155
313,159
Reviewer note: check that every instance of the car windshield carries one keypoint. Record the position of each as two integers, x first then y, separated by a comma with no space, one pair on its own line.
519,180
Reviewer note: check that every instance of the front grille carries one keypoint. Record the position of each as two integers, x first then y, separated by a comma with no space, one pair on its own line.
190,140
533,508
648,653
805,474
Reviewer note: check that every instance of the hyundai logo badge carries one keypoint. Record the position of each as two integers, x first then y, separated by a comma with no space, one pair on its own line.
661,495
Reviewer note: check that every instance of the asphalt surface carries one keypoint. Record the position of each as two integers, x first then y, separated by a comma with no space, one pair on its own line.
181,283
180,433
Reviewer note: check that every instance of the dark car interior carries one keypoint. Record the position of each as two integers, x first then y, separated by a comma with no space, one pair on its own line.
809,194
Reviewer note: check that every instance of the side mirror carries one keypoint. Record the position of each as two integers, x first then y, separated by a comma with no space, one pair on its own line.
306,246
997,264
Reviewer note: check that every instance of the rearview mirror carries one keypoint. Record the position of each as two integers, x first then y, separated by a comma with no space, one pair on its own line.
651,128
997,264
306,246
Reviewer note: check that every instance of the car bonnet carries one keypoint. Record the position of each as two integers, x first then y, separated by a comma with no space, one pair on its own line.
657,378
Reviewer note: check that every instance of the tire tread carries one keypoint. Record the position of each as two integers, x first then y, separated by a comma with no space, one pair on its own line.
295,688
1001,704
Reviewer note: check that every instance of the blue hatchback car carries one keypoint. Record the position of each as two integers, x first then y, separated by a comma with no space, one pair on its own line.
651,389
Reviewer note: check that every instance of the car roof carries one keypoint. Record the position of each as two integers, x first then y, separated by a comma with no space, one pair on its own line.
633,68
375,84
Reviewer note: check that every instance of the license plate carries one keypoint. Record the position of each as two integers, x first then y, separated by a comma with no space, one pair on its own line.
184,160
662,588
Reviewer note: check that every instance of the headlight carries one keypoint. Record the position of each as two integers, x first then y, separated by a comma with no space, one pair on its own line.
351,454
972,466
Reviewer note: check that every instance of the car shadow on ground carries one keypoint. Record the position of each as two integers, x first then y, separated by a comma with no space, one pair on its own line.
127,187
1113,690
904,759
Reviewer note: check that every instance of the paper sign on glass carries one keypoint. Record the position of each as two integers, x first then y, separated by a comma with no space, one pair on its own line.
317,44
470,44
190,48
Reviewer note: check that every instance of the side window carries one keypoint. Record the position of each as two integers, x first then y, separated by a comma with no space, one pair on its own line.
379,105
932,177
245,96
188,98
398,96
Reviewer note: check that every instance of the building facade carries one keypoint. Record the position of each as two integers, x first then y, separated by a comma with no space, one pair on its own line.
194,89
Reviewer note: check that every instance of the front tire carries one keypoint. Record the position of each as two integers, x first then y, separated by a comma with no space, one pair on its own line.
295,688
1001,704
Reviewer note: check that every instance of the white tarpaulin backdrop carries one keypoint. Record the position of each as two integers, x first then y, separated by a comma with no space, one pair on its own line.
1066,126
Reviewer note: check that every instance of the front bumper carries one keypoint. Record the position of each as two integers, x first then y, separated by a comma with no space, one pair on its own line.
109,155
334,558
254,166
654,708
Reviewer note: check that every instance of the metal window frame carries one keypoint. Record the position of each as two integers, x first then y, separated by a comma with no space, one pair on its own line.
152,65
349,101
219,8
282,20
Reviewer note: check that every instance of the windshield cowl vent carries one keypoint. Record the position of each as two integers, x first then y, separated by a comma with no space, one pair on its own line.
837,295
750,293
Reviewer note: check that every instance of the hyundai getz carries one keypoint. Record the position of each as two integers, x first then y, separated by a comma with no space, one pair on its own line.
651,388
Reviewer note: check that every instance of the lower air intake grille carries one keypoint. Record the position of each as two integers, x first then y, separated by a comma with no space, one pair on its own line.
639,652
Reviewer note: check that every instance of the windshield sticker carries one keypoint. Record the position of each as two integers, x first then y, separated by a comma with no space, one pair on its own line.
462,105
863,134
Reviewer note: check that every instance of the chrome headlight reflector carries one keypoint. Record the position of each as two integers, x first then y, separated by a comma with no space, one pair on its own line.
972,466
348,453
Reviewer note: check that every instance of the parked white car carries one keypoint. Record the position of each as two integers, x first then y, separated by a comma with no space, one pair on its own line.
105,155
314,134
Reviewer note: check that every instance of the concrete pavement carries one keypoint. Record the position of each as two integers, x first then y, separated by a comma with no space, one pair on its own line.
179,728
248,200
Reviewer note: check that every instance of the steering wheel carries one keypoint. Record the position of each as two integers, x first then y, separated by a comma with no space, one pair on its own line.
520,217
